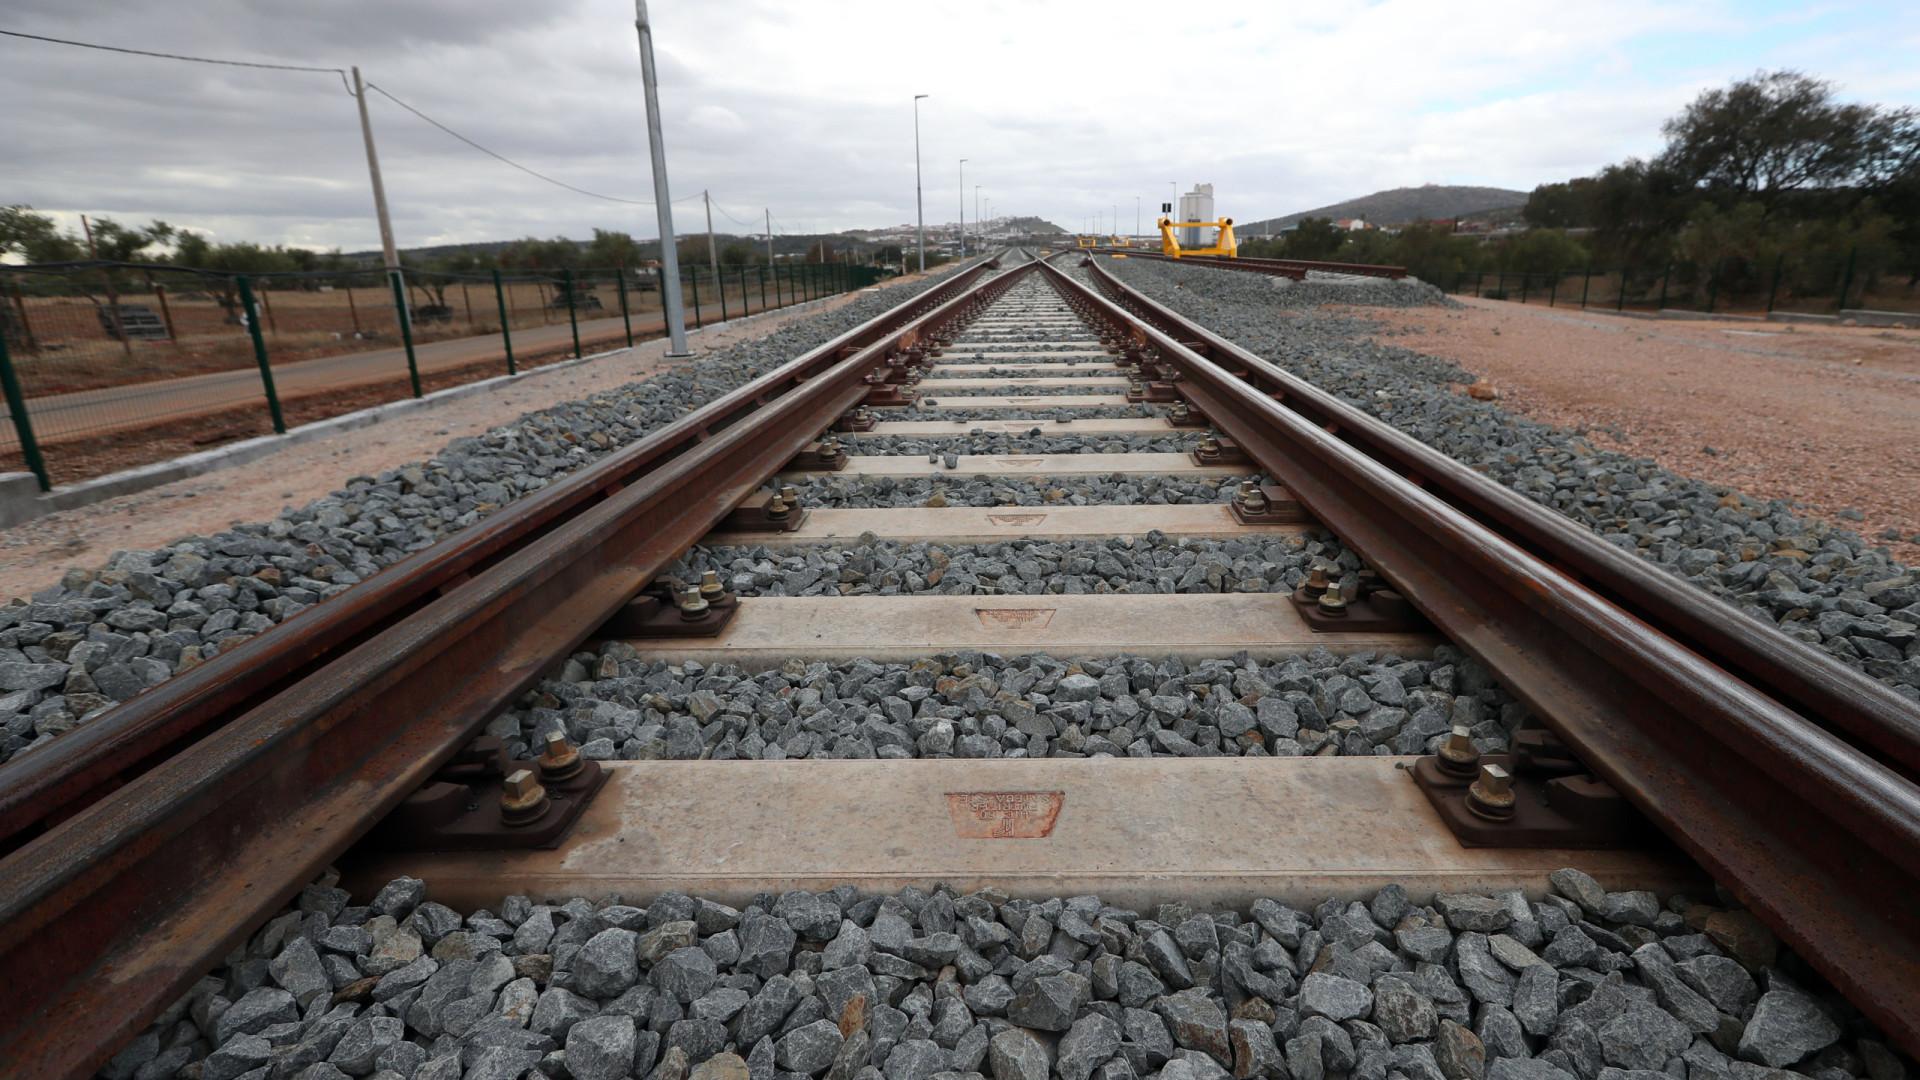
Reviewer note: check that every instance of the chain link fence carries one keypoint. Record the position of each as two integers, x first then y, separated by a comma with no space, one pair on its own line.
106,366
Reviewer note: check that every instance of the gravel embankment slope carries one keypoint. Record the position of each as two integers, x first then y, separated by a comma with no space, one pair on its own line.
1813,581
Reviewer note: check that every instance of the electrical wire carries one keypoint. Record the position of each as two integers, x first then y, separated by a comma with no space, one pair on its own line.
175,56
507,160
349,88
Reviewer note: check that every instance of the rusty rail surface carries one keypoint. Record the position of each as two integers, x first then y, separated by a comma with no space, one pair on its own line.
1788,775
56,781
110,914
1287,268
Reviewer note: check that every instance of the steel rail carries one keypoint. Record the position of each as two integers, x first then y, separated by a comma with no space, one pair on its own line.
1744,766
47,786
112,913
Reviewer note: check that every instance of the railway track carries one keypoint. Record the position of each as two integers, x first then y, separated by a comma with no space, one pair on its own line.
147,846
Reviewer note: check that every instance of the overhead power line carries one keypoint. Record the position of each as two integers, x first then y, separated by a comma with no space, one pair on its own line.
176,56
507,160
349,88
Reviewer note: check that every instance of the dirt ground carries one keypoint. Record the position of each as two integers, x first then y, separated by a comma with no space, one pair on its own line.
34,555
1827,416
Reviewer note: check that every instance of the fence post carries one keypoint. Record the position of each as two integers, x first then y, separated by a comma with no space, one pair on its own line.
573,317
1553,287
720,286
620,275
260,353
405,318
1479,277
1525,280
1620,302
506,332
762,271
1584,286
1846,283
693,280
1713,285
22,427
1665,276
26,328
1774,289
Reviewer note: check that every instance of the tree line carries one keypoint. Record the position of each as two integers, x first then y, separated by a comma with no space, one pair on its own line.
1772,168
37,238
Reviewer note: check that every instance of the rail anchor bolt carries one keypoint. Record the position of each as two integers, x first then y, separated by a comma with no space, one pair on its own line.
1316,581
560,760
522,800
1251,498
1458,756
1178,413
1332,603
1491,796
693,606
777,509
710,587
1209,447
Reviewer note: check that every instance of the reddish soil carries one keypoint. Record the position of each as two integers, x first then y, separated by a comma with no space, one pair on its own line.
1827,416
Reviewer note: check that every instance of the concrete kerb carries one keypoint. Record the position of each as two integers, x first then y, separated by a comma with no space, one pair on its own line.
21,499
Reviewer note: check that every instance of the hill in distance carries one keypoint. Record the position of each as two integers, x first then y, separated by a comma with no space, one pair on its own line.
1433,201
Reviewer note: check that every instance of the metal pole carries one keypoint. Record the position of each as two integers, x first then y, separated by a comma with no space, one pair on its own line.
260,355
1584,286
506,331
1713,285
22,427
662,200
713,250
769,236
573,314
919,215
1774,289
1846,283
1665,276
963,209
406,331
620,275
1620,302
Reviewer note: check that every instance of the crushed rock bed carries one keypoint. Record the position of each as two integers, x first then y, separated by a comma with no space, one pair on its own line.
955,488
1062,413
1583,984
971,704
1002,390
1066,370
1036,440
102,635
1822,584
1151,563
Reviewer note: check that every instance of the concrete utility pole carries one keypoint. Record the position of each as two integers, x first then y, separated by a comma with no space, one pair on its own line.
388,252
963,208
919,215
769,236
373,168
662,201
713,252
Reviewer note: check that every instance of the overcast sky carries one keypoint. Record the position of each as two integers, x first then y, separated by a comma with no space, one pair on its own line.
1063,109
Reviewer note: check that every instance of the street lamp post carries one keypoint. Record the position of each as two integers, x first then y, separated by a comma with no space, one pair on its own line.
963,209
920,217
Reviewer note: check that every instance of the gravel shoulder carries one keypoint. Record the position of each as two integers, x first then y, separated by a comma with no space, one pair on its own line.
1779,562
1778,412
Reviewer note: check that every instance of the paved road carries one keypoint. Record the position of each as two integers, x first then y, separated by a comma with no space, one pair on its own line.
126,408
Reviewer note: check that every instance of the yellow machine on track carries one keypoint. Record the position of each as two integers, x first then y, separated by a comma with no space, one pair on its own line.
1224,245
